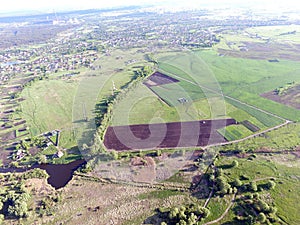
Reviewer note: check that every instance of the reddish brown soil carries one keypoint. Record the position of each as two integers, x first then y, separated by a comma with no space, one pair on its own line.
291,98
168,135
158,78
4,155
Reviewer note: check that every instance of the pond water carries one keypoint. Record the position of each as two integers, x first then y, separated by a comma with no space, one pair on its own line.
59,174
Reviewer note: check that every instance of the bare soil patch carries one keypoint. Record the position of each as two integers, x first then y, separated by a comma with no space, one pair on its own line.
267,51
165,135
9,136
290,98
158,79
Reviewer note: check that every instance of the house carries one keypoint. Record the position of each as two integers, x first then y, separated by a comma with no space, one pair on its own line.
58,154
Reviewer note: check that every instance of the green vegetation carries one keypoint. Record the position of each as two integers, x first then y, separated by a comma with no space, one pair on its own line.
234,132
48,106
282,139
260,183
266,119
246,79
283,89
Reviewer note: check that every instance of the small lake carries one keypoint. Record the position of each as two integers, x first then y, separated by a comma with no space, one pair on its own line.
59,174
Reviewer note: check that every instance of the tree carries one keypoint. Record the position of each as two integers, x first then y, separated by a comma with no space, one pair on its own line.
271,185
192,219
18,209
261,206
41,159
173,213
181,222
261,217
158,152
253,186
115,155
202,211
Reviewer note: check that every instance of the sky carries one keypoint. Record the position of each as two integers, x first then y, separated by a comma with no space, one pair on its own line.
25,5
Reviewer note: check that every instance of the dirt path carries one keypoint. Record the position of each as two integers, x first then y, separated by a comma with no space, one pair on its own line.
264,178
251,136
225,212
159,186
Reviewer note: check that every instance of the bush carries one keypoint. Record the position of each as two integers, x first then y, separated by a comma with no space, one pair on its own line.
237,183
35,173
234,163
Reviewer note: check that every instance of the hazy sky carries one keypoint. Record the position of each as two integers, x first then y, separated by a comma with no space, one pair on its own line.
19,5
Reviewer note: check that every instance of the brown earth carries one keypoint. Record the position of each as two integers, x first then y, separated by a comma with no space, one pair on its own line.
158,78
290,98
9,136
266,51
165,135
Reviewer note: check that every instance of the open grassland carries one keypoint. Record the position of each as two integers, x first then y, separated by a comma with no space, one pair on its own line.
142,106
234,40
282,139
48,106
278,33
267,42
59,103
243,79
111,203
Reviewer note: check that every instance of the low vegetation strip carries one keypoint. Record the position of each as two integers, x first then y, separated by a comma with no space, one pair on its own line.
266,119
166,135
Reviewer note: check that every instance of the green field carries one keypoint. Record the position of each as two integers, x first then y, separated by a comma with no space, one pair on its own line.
214,87
234,132
58,103
48,106
243,79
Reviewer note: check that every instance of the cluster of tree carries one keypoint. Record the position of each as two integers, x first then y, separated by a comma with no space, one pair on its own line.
222,186
252,208
144,71
46,205
14,202
104,109
184,215
283,89
24,145
150,58
35,173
